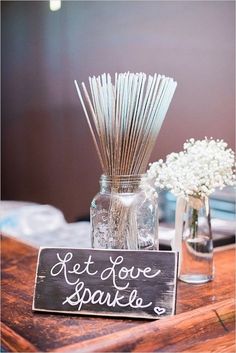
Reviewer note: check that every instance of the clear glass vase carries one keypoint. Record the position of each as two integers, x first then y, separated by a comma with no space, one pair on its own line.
193,224
122,217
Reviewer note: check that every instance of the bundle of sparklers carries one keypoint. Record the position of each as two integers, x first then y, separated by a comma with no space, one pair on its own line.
125,118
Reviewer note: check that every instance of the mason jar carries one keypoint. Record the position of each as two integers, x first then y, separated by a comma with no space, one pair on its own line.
121,215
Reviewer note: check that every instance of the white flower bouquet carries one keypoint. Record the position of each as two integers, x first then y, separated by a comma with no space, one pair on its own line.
198,170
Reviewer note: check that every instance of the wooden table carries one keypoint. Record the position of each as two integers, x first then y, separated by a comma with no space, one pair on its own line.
204,320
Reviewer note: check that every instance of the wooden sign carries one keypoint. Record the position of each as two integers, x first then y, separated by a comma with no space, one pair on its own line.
139,284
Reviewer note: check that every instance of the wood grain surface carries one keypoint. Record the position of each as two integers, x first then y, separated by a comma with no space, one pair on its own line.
184,331
204,320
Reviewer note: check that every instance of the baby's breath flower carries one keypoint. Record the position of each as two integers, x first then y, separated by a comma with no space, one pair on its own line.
198,170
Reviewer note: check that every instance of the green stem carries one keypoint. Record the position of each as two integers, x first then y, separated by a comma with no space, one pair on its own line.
194,224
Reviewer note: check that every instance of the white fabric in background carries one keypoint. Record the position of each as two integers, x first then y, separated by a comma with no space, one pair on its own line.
44,225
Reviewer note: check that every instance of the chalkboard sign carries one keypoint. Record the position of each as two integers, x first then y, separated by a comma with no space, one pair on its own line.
140,284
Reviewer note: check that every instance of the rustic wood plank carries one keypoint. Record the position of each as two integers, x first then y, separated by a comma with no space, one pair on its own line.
13,342
222,344
176,334
58,331
135,284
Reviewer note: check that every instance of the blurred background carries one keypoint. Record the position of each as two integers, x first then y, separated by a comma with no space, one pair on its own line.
48,155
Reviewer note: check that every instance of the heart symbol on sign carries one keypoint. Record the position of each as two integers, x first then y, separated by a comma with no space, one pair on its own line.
159,311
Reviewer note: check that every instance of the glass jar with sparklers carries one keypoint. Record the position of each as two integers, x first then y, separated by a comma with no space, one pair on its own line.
124,119
121,215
